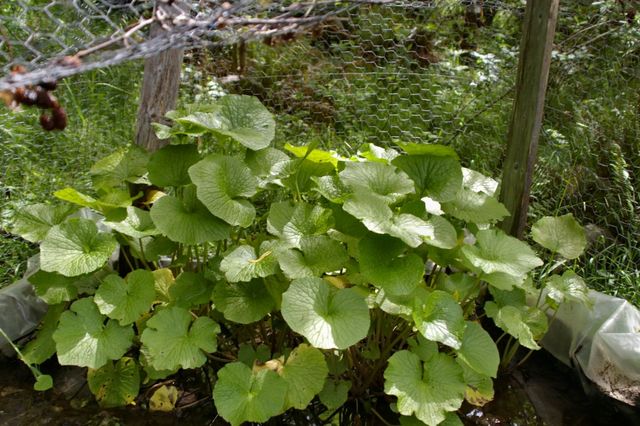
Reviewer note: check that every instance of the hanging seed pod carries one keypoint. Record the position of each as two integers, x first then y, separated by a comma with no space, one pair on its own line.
47,122
44,99
59,118
48,85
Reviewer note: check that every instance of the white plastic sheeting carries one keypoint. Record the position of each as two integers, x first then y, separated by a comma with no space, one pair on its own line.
602,342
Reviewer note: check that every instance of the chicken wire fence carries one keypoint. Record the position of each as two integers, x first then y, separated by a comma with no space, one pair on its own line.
345,73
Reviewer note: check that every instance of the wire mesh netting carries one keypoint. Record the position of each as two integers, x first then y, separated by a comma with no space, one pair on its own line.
348,73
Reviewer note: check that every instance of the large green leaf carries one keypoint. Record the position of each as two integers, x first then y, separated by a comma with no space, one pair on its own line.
334,393
439,318
328,317
380,179
305,372
108,202
137,224
479,351
239,117
75,247
54,288
33,222
125,165
173,340
317,255
243,302
293,222
313,154
115,384
242,395
169,166
187,221
383,262
298,175
243,264
475,207
436,176
567,287
126,300
190,289
83,338
527,324
262,163
378,217
479,388
495,251
43,346
562,235
427,390
223,185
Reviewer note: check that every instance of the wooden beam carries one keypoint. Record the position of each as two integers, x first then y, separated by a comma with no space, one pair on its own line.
531,84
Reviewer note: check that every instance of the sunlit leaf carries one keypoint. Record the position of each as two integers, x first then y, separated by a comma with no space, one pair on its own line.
127,299
33,222
562,235
75,247
327,317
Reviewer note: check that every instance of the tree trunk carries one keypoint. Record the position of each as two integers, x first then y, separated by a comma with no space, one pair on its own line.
159,93
522,145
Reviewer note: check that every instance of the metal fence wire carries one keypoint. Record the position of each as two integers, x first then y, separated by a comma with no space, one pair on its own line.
345,73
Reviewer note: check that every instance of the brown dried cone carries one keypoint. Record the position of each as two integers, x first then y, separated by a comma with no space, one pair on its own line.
46,122
59,118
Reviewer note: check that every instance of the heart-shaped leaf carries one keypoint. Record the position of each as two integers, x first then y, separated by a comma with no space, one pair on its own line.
475,207
435,176
223,185
243,302
478,350
115,384
137,224
241,118
292,222
495,251
562,235
527,324
125,165
174,340
187,220
190,289
242,395
329,318
83,338
317,255
242,264
54,288
439,318
567,287
382,263
33,222
169,166
381,179
305,372
427,390
75,247
126,300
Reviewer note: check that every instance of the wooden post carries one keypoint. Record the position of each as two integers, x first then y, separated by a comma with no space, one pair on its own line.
522,144
159,93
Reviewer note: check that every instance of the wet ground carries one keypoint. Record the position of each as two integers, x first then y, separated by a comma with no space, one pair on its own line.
543,392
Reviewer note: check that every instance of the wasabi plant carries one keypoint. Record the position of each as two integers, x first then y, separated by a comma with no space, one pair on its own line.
293,275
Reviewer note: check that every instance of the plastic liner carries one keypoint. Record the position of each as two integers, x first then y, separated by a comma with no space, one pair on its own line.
602,342
20,309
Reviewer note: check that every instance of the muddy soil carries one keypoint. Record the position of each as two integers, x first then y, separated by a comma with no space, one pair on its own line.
542,393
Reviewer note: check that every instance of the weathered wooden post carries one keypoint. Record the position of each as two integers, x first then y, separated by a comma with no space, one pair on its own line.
531,84
160,85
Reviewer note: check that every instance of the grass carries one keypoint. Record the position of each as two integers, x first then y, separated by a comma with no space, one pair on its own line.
101,106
